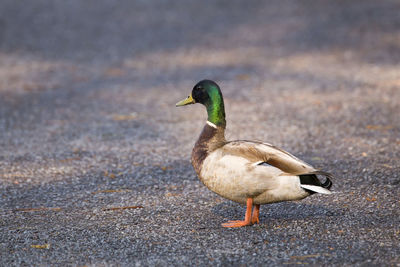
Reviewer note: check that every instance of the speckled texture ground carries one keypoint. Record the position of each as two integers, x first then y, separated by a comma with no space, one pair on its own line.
88,123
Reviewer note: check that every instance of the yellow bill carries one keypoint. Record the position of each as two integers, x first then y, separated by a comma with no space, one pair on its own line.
186,101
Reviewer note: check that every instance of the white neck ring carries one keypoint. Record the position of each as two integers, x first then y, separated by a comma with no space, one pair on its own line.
211,124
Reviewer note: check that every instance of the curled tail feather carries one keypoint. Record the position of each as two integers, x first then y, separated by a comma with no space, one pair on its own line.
312,184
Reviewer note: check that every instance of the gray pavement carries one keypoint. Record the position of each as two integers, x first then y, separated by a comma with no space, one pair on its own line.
94,159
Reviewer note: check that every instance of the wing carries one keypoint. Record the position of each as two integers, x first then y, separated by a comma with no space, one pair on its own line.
258,152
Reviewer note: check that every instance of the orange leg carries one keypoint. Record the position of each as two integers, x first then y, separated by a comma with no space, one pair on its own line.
256,213
247,220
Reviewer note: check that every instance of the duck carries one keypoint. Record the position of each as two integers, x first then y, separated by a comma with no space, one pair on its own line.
247,172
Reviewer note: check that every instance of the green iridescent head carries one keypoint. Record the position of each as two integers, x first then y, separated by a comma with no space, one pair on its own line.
207,92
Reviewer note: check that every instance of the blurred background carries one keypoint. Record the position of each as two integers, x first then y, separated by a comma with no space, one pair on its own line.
87,104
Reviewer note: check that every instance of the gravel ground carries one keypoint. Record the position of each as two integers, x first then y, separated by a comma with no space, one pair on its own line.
88,125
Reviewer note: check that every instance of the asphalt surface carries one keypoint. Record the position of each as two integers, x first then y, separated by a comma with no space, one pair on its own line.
95,158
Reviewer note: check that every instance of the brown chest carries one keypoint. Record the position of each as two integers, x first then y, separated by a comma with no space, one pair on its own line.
209,139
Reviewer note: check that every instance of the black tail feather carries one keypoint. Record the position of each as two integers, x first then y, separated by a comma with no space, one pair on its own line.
328,176
312,179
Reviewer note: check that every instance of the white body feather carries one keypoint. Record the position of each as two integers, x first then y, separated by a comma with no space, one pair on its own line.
317,189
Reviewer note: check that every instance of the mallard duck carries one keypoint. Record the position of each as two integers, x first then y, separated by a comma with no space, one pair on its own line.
247,172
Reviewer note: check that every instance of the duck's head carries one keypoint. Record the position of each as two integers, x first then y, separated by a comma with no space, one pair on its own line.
209,94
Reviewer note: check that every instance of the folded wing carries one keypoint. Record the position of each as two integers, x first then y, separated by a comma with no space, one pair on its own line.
258,153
